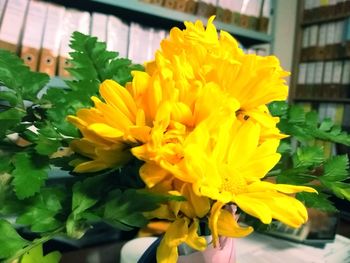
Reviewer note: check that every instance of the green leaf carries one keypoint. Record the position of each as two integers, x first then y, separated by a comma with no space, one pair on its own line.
294,179
32,83
278,108
284,147
9,119
336,169
342,138
340,189
318,201
85,194
296,114
311,118
10,240
48,131
92,64
91,60
46,146
29,176
35,255
76,227
125,207
326,125
9,96
5,164
298,132
40,215
16,76
307,156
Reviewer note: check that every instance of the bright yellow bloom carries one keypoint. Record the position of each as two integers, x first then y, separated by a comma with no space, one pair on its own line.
197,54
198,119
109,129
231,163
180,231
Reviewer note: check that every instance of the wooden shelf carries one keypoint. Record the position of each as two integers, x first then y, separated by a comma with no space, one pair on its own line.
247,35
321,20
325,14
320,99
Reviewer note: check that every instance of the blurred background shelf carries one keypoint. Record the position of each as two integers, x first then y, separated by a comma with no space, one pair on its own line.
247,35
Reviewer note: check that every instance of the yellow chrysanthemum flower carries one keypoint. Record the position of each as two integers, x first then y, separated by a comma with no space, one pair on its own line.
109,128
197,54
198,119
193,67
231,164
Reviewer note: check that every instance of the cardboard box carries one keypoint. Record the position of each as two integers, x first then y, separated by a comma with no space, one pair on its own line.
181,5
205,10
117,36
2,8
171,4
51,39
244,21
191,6
99,26
263,24
252,22
219,13
74,20
157,2
236,19
12,24
33,34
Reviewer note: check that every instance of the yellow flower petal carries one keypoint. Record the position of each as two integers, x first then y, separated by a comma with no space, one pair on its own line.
166,253
213,221
177,232
90,167
243,149
222,222
193,240
284,208
152,174
83,147
118,97
228,226
201,204
255,207
105,131
284,188
174,236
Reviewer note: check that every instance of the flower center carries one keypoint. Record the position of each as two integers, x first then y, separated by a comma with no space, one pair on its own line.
233,183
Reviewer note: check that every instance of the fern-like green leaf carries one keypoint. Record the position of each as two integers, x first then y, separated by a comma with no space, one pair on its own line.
336,169
15,76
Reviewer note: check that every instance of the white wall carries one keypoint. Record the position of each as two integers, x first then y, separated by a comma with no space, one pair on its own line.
286,14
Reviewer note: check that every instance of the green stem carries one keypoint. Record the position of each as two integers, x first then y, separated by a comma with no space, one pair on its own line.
34,243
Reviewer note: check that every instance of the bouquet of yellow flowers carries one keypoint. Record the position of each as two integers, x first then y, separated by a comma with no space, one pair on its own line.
200,128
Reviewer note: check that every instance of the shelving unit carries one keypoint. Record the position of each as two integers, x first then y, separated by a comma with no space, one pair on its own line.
178,17
321,67
161,17
304,89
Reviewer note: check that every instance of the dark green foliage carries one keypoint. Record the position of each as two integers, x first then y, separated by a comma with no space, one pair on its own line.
303,161
41,126
10,240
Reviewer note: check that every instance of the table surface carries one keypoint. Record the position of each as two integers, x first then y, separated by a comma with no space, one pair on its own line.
110,253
